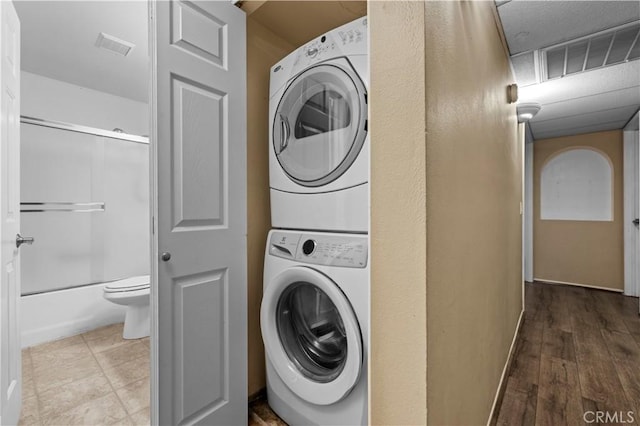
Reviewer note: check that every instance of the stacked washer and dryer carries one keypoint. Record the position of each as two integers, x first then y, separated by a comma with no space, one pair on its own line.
315,306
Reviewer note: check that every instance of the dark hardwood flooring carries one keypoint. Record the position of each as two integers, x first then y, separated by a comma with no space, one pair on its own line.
260,414
578,351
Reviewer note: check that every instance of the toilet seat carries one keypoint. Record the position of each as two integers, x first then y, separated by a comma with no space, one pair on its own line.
134,293
128,284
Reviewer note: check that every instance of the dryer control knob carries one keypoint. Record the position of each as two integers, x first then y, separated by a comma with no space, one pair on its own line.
308,247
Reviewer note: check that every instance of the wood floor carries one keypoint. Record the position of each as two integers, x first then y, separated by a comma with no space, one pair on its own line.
578,352
260,414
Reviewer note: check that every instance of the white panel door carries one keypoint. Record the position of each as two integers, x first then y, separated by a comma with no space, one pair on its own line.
198,103
10,355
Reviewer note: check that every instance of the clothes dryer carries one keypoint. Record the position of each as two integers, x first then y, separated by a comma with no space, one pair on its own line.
319,139
314,320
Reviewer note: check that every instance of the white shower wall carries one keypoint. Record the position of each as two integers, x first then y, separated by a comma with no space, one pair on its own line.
75,248
78,249
50,99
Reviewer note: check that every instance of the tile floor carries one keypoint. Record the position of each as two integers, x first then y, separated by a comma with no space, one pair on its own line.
95,378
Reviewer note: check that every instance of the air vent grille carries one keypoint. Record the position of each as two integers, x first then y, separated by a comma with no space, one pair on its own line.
114,44
611,47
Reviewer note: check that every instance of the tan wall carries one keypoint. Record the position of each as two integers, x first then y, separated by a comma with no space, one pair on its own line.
398,365
581,252
474,224
263,50
446,175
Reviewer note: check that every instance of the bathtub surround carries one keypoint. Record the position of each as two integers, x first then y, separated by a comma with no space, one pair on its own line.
50,99
50,316
78,250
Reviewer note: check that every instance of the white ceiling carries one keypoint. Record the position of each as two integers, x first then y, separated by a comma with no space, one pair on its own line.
596,100
58,41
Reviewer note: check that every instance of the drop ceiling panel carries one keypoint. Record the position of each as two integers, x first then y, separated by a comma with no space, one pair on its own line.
58,41
524,69
589,83
597,127
530,25
584,105
587,119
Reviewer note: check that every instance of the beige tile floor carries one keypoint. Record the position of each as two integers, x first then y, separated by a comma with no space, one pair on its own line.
95,378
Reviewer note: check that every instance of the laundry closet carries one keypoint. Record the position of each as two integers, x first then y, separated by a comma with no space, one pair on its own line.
446,170
274,29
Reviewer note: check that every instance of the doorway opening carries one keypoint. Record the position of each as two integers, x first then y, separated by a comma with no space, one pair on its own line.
85,199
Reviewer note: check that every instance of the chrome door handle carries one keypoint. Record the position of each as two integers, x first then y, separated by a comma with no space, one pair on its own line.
20,240
284,133
166,256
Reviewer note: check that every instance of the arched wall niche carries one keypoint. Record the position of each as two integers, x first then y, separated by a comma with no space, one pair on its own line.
577,184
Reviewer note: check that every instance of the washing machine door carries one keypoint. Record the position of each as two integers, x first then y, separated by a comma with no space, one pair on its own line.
311,335
320,124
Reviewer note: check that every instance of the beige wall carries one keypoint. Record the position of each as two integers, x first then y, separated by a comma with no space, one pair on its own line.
446,233
263,50
581,252
398,364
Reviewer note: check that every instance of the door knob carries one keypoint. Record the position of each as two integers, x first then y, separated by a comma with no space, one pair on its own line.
166,256
636,221
20,240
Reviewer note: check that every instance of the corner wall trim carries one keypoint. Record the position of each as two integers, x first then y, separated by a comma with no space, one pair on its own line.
543,280
502,385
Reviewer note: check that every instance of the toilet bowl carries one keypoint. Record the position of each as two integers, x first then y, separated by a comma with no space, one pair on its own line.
133,293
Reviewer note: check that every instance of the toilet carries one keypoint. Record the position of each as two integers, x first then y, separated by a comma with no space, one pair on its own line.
133,293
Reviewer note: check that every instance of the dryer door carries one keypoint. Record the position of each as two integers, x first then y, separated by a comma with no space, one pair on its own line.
320,124
311,335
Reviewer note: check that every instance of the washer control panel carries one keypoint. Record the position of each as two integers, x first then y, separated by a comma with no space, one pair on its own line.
347,251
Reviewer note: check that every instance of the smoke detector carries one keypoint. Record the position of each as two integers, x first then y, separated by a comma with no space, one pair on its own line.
114,44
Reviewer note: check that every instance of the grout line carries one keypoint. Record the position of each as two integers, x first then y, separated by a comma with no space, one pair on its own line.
128,414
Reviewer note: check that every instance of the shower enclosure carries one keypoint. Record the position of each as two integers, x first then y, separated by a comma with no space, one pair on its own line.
85,200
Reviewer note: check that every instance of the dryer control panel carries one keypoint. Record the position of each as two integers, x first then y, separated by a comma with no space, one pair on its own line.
347,251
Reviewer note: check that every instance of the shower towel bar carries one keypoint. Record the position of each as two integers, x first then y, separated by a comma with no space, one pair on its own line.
84,129
53,206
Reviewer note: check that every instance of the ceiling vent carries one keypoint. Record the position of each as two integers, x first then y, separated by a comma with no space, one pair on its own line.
603,49
114,44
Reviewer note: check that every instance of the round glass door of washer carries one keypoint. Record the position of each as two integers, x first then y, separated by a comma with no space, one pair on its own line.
311,335
320,124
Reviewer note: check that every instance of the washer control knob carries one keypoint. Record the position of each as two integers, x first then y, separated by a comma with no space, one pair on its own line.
308,247
312,52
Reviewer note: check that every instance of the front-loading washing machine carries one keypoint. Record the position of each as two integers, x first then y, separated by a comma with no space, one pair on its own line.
319,139
314,321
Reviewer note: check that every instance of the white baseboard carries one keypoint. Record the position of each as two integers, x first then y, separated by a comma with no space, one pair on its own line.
505,368
51,316
544,280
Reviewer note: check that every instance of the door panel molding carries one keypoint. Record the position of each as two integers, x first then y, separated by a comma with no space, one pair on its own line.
198,154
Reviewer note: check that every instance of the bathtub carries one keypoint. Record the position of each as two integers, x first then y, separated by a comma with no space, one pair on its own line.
56,314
